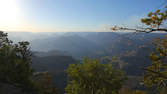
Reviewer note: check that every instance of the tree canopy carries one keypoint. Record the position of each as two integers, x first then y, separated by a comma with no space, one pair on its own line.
94,77
16,70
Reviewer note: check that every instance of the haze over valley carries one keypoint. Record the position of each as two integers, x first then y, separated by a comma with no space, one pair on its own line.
83,47
53,52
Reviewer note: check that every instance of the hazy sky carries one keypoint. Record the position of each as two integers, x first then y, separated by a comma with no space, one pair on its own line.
72,15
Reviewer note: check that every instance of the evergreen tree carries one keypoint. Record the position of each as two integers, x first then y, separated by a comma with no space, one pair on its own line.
16,70
94,77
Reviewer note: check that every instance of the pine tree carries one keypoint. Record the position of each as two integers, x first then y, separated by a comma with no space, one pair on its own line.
94,77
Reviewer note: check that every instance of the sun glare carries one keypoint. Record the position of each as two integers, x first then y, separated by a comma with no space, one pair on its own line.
9,12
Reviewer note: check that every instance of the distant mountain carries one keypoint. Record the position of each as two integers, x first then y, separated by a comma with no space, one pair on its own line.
50,53
73,44
95,44
133,49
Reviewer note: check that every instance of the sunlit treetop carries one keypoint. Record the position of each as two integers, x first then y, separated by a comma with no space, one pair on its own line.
155,21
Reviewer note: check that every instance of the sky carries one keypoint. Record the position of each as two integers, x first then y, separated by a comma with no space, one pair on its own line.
72,15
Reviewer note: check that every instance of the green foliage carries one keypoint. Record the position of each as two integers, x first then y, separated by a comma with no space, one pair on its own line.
16,70
155,19
15,61
155,77
156,74
94,77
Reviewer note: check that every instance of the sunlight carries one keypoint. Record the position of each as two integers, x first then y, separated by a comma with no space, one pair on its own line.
9,12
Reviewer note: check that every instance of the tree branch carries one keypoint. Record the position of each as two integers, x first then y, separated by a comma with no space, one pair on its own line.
146,30
159,74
